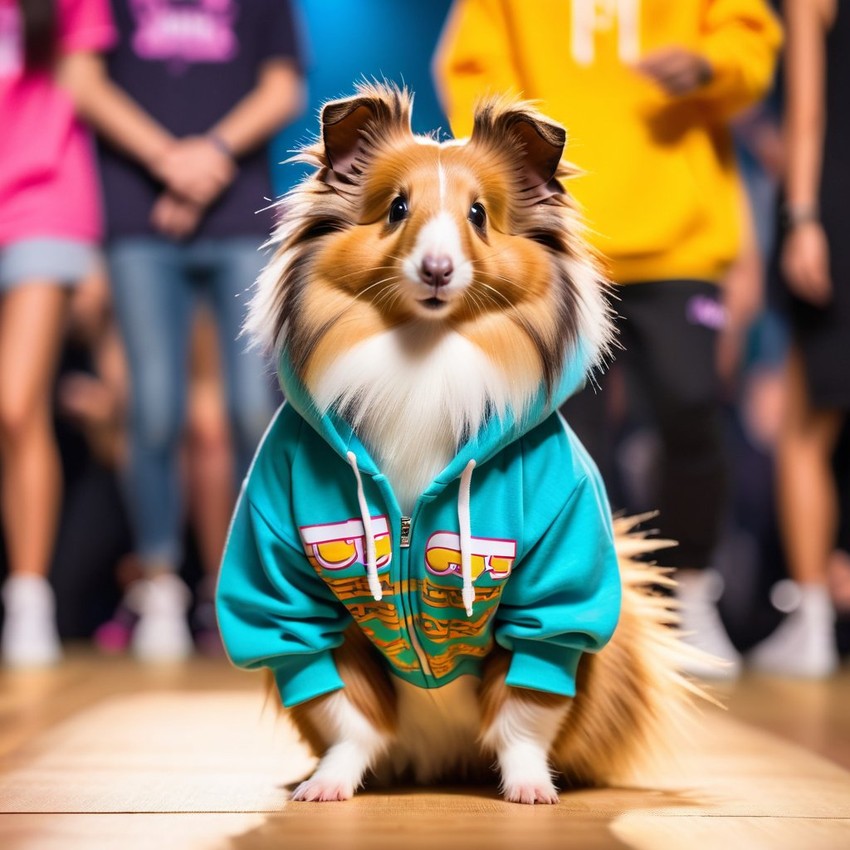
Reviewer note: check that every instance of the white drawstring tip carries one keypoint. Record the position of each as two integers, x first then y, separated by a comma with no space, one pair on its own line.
468,596
371,556
463,499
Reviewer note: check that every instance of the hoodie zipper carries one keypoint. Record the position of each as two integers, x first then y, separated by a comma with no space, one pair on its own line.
404,543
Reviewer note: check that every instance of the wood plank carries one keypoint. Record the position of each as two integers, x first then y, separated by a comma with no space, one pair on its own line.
337,829
217,752
814,714
105,754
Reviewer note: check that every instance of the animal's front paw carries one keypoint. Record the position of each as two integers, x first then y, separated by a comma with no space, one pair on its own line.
319,789
529,791
526,777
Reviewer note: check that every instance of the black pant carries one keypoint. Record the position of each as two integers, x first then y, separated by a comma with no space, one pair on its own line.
668,330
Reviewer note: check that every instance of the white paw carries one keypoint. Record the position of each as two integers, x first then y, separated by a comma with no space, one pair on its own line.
526,777
530,792
318,789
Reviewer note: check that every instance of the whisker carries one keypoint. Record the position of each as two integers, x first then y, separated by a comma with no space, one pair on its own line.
364,272
373,285
495,291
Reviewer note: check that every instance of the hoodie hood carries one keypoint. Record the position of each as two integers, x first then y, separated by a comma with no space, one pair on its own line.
496,432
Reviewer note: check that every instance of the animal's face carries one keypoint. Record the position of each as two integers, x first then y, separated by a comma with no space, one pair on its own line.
433,240
475,237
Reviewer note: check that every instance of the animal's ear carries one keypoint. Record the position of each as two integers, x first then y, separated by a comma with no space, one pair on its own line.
533,142
352,127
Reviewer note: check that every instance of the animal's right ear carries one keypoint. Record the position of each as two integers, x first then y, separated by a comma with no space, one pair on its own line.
353,127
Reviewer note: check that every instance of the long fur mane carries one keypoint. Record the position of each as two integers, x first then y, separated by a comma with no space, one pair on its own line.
329,202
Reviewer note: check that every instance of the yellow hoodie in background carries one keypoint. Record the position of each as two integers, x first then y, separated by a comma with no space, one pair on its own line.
659,188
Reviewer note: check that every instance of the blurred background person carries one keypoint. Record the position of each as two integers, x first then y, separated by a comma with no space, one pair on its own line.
215,80
195,91
647,91
815,267
49,230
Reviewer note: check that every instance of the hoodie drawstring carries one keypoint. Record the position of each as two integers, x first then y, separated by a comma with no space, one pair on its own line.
371,558
465,525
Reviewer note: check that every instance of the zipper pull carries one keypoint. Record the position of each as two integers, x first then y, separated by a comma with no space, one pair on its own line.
404,540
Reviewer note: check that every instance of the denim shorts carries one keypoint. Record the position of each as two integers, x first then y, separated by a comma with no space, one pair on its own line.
61,261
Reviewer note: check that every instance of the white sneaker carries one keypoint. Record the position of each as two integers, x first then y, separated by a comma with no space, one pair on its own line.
698,592
804,642
30,638
162,632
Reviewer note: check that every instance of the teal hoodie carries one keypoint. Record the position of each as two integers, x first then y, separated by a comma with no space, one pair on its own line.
520,511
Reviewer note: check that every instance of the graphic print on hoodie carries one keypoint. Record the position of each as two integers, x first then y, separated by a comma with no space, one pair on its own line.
511,543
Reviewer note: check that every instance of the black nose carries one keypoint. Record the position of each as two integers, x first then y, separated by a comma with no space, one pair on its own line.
436,271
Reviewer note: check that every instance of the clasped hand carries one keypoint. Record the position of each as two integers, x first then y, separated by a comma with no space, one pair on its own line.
195,172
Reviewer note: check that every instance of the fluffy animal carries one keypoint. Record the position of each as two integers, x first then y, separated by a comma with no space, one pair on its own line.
423,553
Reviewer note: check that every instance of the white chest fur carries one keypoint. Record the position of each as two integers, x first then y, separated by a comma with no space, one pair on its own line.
413,394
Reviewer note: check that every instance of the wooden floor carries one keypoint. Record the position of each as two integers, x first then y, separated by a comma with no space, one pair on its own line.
103,753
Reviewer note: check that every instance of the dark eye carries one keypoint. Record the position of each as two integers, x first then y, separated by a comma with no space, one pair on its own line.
477,216
398,210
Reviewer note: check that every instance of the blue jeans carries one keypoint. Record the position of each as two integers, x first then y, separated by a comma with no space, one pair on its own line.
155,285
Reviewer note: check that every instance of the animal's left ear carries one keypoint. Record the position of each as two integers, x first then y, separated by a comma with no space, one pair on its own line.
533,142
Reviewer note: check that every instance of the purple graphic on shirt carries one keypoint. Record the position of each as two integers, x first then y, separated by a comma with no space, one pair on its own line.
705,311
182,33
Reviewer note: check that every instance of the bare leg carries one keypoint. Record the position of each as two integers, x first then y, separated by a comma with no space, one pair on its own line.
804,643
31,323
209,455
808,501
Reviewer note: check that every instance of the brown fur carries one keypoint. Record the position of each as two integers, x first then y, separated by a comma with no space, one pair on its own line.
494,691
367,686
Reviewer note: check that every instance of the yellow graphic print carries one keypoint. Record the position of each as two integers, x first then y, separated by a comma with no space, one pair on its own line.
337,545
442,555
336,549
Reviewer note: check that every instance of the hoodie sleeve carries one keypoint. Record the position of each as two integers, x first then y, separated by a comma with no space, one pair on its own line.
274,612
564,598
741,40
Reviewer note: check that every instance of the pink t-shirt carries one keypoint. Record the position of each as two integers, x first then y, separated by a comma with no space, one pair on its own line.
48,183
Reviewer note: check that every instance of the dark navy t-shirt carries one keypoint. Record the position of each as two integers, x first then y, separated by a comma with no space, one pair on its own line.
187,63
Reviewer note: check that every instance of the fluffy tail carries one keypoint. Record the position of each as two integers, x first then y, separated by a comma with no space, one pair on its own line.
632,698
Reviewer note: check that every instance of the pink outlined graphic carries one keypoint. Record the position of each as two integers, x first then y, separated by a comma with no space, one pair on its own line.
338,545
489,554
